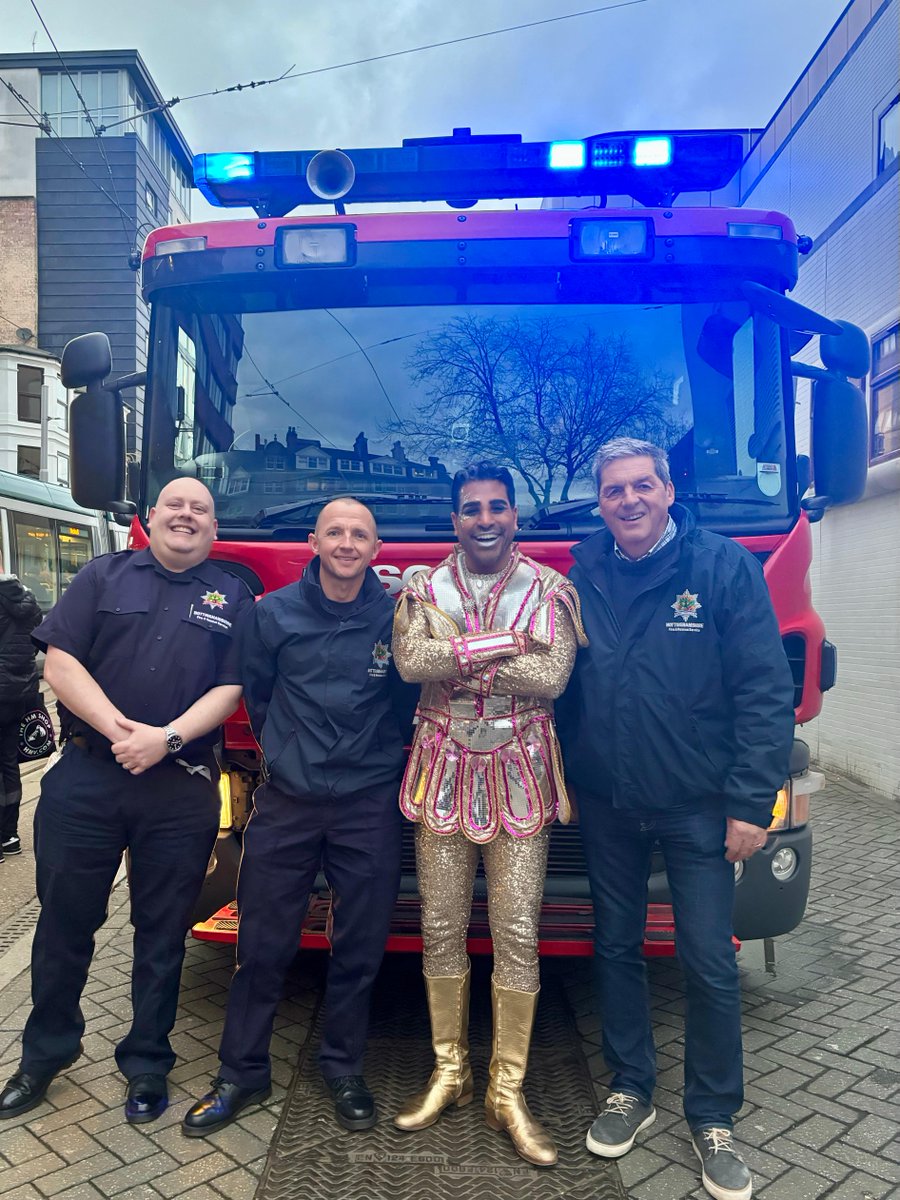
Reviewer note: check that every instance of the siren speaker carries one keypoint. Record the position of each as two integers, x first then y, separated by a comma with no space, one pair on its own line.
330,174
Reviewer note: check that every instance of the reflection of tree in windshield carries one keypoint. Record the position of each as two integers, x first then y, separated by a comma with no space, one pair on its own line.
533,395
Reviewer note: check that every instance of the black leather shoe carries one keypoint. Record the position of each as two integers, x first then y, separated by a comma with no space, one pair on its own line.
147,1098
219,1107
354,1105
26,1090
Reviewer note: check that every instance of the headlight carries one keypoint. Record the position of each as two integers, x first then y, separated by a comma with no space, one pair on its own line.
784,864
226,818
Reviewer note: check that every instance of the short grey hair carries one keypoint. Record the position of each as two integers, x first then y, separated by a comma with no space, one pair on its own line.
625,447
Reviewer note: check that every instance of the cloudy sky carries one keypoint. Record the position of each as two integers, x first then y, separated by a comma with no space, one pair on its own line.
641,64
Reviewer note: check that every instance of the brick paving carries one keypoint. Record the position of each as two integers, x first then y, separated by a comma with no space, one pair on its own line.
822,1051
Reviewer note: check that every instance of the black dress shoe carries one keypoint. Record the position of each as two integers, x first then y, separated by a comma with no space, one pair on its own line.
147,1098
354,1105
219,1107
26,1089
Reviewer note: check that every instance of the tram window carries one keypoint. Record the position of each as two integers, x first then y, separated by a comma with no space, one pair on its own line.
75,549
36,558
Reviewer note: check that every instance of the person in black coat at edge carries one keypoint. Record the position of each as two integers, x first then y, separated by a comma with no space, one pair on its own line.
676,727
19,689
332,717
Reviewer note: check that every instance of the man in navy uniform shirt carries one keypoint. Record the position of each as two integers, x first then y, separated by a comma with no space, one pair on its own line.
329,711
143,653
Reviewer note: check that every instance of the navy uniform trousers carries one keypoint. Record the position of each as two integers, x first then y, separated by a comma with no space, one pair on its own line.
355,840
89,812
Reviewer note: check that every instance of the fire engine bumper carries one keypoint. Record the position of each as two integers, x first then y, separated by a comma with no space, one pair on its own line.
767,900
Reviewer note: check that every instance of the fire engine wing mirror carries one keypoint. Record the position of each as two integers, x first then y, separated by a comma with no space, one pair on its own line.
97,448
786,312
846,351
96,424
840,434
86,360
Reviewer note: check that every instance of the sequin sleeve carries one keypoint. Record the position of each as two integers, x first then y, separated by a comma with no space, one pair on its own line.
419,655
544,673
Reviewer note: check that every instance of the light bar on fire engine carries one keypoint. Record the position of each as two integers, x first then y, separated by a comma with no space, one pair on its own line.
652,167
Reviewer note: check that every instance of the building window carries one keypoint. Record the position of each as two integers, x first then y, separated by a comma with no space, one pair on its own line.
349,464
30,381
62,469
273,487
274,462
387,469
150,199
312,462
889,135
62,414
29,461
885,395
239,485
60,103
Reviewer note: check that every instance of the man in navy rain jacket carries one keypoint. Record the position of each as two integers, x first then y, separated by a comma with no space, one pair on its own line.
329,712
676,728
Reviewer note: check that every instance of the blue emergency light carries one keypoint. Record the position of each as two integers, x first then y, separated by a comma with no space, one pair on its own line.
567,156
653,167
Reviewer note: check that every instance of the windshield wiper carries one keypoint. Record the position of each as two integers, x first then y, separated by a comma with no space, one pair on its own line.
724,498
267,517
564,509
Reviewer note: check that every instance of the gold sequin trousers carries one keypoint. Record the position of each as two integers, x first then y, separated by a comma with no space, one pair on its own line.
515,869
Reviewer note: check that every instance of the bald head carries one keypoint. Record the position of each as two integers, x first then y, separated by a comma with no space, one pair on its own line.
346,542
345,507
187,487
182,524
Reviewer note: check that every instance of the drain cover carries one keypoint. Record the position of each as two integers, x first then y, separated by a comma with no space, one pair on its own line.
312,1158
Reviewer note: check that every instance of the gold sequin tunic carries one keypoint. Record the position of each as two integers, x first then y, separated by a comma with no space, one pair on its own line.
492,653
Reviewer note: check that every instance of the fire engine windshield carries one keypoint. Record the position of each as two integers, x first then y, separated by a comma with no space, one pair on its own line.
278,410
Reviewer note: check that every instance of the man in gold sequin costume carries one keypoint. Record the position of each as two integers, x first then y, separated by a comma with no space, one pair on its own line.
491,635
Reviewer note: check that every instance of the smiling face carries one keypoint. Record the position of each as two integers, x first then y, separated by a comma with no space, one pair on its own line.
182,524
634,503
485,525
346,542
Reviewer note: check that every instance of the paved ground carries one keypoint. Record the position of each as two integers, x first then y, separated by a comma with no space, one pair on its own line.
822,1051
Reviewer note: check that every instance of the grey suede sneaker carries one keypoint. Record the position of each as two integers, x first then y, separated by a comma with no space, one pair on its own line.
725,1174
621,1119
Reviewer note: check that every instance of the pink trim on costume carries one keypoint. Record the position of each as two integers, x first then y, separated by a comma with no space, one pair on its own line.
534,584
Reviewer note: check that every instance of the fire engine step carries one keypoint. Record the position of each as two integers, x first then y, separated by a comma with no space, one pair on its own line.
312,1158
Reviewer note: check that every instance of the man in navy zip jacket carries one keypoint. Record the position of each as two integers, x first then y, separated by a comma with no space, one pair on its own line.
329,712
676,728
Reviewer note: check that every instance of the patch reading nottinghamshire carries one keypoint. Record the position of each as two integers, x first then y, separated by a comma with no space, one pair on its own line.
459,1158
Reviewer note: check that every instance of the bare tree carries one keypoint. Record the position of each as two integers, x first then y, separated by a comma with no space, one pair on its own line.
533,395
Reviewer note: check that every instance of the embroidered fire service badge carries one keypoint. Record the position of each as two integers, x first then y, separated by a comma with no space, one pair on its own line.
213,599
686,605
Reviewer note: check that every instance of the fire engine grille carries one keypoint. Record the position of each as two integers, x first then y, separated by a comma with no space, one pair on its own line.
795,649
459,1157
565,861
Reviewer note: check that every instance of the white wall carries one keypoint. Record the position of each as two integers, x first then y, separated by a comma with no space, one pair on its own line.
15,433
822,174
17,157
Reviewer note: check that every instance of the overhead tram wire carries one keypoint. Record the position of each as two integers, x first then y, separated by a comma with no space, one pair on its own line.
92,123
275,392
290,73
38,122
365,355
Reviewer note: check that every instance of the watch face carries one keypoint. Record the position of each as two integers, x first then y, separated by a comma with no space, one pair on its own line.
174,742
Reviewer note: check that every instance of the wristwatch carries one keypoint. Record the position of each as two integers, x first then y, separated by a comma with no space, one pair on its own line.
174,740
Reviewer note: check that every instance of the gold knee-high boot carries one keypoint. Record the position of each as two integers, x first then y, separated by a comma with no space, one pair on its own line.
451,1079
504,1104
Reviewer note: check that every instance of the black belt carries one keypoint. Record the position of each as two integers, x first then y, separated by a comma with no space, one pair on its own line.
92,748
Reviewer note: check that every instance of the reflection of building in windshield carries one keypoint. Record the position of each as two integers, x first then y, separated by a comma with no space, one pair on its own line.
206,383
246,480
